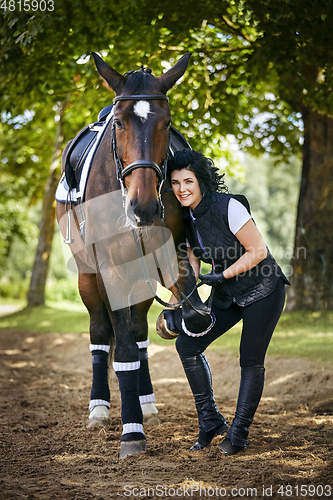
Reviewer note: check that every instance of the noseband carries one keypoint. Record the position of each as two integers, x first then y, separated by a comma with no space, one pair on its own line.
123,172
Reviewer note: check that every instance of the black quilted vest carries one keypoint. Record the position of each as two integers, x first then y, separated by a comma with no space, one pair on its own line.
219,245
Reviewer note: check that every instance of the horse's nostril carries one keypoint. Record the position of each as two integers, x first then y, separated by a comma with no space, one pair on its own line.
146,214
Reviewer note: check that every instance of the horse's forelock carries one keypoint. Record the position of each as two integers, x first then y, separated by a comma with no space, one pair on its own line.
140,82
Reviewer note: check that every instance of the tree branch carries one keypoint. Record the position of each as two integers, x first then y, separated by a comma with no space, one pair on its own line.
235,29
225,49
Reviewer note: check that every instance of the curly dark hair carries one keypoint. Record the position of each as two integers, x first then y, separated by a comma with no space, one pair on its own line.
208,175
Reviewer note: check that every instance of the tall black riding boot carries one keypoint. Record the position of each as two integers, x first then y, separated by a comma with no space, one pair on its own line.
211,422
250,391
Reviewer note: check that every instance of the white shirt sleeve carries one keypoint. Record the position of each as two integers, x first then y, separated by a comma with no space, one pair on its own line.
237,215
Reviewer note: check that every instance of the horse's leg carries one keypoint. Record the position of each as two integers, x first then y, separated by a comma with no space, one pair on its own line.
146,393
101,335
126,364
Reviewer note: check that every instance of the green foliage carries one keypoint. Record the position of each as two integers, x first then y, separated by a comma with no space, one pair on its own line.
47,319
14,290
16,228
18,255
63,289
248,58
272,191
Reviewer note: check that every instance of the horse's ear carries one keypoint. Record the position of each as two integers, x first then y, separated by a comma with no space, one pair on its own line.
114,79
169,78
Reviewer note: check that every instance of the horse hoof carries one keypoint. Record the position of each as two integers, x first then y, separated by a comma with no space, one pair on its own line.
162,330
150,414
99,417
152,419
98,422
128,448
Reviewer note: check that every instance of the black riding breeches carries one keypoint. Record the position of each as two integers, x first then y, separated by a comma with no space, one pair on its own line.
259,321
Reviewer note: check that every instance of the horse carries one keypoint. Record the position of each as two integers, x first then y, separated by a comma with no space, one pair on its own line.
133,237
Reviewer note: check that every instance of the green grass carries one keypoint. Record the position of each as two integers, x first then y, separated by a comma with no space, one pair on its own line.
60,318
301,334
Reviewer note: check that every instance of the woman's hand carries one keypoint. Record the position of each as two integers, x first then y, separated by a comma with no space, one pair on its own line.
211,279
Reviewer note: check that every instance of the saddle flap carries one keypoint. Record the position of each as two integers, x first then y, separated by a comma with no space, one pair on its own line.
81,149
76,154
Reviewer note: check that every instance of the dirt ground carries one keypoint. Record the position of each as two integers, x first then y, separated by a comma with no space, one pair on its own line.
47,452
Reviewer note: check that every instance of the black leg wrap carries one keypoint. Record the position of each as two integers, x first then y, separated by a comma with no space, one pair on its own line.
211,422
100,383
129,388
250,391
145,385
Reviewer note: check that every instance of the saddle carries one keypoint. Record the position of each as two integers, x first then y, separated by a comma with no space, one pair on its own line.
82,150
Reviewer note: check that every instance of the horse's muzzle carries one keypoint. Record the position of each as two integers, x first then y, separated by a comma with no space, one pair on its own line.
144,215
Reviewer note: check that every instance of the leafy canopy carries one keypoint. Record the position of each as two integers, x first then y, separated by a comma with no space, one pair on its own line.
255,63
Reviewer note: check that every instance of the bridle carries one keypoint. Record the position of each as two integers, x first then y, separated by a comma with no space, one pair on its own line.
161,174
122,171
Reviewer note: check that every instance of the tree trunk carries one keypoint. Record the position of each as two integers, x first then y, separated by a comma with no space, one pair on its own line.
312,261
36,293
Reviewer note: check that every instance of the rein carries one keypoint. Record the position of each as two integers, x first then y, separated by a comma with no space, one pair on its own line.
184,298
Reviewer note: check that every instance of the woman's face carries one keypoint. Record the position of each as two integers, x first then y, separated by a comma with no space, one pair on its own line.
186,187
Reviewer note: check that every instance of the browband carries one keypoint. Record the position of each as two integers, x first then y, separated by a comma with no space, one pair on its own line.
140,97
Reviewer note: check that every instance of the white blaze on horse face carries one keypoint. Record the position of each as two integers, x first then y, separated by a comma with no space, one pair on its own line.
142,109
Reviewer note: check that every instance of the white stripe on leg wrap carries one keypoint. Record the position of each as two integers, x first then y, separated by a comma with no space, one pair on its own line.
143,345
98,402
97,347
127,428
147,398
126,367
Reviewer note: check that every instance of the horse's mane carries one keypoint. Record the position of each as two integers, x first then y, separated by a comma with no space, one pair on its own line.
140,82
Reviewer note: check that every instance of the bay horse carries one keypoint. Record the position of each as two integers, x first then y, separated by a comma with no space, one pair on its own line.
129,208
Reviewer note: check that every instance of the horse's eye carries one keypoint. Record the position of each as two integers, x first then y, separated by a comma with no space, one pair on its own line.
118,124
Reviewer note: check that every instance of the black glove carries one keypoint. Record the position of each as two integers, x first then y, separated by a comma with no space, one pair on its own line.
212,279
173,318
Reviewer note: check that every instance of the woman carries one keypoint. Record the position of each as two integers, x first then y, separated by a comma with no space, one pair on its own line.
248,285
